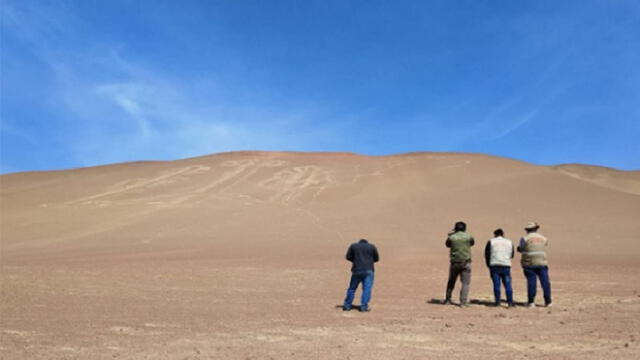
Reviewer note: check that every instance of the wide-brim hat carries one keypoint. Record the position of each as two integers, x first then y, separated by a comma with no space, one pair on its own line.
531,225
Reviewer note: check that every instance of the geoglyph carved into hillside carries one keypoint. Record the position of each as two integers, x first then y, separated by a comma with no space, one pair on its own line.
284,183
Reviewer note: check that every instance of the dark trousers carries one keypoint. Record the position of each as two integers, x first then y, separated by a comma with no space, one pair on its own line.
532,273
462,269
501,274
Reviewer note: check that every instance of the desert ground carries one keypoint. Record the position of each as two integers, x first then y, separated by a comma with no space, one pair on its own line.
241,256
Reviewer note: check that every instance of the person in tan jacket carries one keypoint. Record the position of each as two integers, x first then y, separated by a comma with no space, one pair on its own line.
533,247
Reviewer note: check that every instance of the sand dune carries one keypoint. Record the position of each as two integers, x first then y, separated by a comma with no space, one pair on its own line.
626,181
239,255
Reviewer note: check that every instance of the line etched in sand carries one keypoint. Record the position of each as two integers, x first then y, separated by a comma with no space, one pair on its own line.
289,184
129,185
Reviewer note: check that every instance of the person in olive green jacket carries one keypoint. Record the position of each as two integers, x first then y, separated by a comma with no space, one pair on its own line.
459,243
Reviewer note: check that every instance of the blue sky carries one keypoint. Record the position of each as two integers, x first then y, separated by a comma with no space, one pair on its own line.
92,82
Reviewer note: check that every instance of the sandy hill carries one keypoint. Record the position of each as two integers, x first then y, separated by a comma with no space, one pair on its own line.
266,200
155,249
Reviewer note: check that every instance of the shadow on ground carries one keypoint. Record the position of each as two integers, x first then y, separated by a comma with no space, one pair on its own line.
488,303
353,307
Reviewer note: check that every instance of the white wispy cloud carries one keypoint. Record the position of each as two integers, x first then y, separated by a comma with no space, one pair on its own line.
509,126
158,119
7,128
120,108
124,96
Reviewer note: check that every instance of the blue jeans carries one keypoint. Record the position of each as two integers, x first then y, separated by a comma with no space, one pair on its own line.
542,272
364,277
501,273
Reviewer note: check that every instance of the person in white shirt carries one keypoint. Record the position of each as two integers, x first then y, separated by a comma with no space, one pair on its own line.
498,254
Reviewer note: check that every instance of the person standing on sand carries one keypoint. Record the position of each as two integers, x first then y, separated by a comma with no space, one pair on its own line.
459,243
362,255
533,247
498,254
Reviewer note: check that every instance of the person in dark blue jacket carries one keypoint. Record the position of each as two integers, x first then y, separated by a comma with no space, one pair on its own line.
362,255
